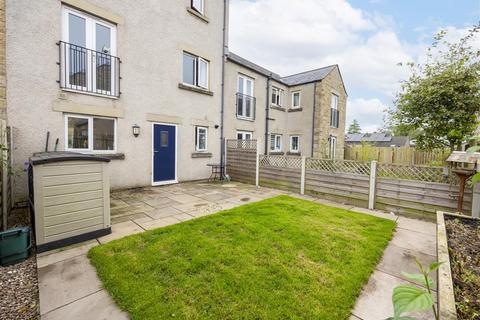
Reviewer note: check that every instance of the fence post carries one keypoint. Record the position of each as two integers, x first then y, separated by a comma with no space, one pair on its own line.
224,156
302,177
257,168
476,197
373,183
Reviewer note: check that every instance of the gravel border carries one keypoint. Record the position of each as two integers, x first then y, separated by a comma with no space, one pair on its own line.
19,297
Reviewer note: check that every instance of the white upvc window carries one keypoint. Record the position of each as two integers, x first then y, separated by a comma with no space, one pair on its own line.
296,99
201,139
333,147
277,96
276,142
334,113
245,97
294,144
195,71
244,135
90,134
89,53
198,5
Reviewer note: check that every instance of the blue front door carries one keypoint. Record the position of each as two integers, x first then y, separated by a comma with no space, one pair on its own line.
164,154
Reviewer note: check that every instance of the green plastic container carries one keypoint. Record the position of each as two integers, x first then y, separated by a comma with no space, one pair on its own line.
15,245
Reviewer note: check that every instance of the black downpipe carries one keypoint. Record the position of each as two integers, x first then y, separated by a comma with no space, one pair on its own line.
314,115
222,108
267,113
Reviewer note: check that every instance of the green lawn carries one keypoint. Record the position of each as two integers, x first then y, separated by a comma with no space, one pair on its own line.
281,258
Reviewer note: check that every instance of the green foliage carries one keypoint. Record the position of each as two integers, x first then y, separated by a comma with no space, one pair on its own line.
354,127
408,298
439,102
476,177
281,258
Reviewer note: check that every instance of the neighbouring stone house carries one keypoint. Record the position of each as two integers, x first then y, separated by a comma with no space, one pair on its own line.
377,140
153,87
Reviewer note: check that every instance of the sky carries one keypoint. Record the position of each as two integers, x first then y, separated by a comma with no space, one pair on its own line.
366,38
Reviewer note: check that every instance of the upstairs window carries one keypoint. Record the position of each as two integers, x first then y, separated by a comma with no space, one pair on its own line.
276,142
294,144
296,96
245,98
87,54
198,5
201,139
195,71
277,97
334,113
244,135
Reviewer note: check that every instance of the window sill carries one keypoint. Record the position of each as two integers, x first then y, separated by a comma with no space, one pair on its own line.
298,109
198,15
277,108
112,156
246,119
276,153
201,155
290,153
195,89
90,93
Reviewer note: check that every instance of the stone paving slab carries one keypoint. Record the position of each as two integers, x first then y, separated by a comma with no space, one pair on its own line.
65,253
159,223
96,306
64,282
375,302
121,230
414,240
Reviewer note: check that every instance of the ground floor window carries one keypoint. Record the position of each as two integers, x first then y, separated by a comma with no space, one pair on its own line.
276,142
201,134
333,147
294,143
90,134
244,135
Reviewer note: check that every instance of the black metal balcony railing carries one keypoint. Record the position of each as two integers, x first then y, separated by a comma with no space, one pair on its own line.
246,106
87,70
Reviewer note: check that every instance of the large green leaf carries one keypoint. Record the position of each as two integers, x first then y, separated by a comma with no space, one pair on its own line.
476,178
473,149
434,266
410,298
420,278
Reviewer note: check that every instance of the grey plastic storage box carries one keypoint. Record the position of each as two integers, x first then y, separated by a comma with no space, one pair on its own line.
15,245
69,194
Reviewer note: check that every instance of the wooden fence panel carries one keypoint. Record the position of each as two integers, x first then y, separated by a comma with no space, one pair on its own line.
341,187
396,155
241,159
280,178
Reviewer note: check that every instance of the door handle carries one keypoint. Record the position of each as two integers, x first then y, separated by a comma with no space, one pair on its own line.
155,151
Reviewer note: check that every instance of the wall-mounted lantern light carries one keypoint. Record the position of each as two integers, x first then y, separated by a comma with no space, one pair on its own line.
136,130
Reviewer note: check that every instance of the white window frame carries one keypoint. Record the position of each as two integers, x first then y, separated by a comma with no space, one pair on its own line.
196,70
278,96
245,79
90,134
244,134
299,99
90,43
333,147
334,120
200,10
274,145
197,138
298,144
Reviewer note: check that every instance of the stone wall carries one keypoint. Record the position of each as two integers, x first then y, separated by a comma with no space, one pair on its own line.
324,89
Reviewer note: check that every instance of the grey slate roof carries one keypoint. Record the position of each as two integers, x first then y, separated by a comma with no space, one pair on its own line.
308,76
293,80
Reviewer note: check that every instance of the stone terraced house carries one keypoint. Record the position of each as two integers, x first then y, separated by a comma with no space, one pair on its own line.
153,87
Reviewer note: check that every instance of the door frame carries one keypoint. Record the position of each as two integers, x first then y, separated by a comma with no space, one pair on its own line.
159,183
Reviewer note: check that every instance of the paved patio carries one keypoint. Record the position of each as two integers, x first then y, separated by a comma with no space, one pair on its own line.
70,289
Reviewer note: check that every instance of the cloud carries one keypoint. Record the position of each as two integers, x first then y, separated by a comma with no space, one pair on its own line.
368,112
289,38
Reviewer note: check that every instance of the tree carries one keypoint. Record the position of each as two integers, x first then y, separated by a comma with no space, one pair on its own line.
354,127
440,101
